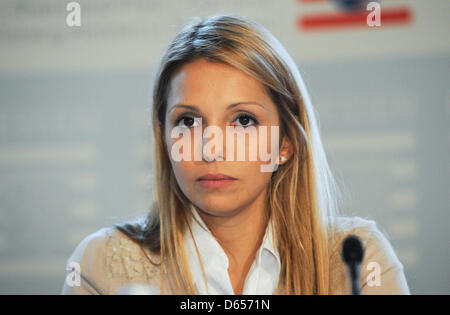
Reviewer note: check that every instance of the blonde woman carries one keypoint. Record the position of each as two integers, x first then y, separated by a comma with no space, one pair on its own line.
223,225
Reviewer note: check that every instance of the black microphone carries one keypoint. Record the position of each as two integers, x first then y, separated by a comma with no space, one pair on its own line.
353,254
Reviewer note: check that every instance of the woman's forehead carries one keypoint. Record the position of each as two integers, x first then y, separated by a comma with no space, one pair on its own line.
204,83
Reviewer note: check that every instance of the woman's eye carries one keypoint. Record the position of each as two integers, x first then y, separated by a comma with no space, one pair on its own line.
189,122
243,120
186,121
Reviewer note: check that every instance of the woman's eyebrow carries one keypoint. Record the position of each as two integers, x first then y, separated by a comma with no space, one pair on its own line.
191,107
194,108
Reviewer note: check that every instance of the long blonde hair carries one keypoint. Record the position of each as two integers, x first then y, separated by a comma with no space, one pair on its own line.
303,194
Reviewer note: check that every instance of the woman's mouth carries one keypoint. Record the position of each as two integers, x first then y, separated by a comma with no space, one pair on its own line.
215,181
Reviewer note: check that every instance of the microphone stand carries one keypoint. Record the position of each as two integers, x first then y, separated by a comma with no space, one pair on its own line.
352,255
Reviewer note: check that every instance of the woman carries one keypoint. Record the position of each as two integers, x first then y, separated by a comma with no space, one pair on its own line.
221,226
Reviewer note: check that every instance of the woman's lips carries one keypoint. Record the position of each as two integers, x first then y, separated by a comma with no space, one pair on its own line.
216,181
219,183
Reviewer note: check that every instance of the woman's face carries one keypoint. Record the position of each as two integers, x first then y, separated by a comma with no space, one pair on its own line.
209,89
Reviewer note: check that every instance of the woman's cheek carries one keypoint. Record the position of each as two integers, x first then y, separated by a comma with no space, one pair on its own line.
183,170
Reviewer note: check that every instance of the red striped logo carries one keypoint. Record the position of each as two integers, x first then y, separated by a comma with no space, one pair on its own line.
341,19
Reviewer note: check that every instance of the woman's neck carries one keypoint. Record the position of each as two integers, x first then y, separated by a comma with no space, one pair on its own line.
240,235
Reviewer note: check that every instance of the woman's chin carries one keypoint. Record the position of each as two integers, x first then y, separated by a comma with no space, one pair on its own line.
218,207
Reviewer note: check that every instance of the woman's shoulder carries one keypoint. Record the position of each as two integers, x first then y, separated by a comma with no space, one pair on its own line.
127,258
109,256
379,255
343,224
367,230
122,255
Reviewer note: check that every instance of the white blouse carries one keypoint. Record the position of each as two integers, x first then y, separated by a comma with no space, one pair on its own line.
262,277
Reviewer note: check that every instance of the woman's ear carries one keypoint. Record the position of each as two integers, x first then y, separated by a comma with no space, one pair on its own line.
286,150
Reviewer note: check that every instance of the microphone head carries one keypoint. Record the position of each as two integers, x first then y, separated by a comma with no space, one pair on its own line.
352,250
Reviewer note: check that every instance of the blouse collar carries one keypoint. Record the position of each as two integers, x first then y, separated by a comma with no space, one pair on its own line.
212,255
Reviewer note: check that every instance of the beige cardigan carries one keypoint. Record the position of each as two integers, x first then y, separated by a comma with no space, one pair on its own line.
109,262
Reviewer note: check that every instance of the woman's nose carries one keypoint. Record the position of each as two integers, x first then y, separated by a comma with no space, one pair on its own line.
212,144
